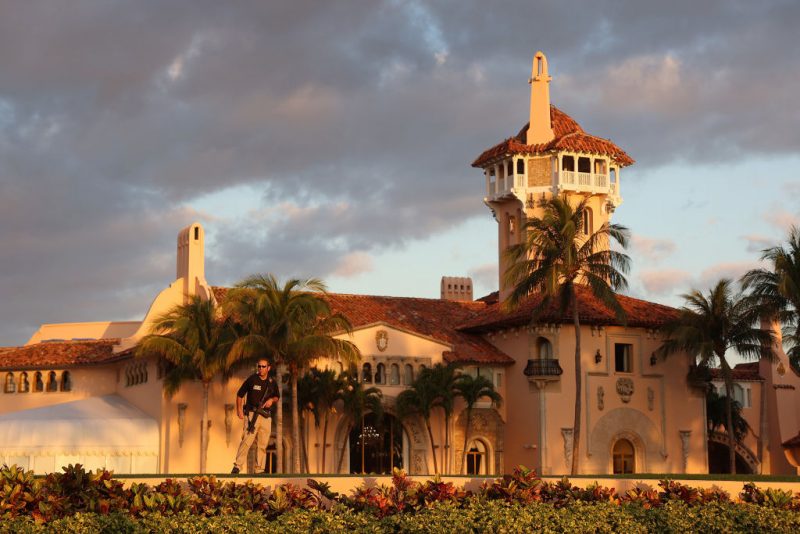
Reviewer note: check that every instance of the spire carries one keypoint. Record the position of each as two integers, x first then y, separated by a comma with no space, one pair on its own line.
540,129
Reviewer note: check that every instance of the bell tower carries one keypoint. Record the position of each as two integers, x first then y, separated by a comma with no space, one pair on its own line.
551,155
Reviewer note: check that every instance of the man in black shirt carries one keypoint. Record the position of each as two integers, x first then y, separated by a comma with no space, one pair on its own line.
261,391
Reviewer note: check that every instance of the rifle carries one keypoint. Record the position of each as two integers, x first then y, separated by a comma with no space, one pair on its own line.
264,412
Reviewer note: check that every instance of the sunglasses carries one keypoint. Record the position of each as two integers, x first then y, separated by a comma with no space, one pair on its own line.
261,366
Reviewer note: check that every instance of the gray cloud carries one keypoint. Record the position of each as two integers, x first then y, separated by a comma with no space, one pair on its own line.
358,121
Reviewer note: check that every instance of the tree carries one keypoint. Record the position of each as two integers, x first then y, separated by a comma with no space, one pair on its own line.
444,379
328,391
306,403
356,402
556,255
196,342
472,389
717,413
707,326
776,291
420,400
292,322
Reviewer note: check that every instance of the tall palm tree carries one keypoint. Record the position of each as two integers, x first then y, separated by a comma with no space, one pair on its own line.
307,405
444,379
292,322
707,326
356,402
557,254
717,414
472,389
328,391
776,291
420,400
196,341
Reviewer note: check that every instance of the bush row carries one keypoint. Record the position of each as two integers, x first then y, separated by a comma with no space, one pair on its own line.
472,516
76,491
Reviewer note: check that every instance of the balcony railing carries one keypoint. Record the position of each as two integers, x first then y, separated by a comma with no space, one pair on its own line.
543,369
582,181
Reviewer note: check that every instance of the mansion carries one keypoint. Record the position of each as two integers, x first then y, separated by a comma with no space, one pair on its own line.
75,393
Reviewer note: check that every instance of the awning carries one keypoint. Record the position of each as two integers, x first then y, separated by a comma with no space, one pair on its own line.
107,425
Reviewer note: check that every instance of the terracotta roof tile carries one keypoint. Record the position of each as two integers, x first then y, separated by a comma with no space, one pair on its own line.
792,442
568,136
434,318
61,354
640,313
742,371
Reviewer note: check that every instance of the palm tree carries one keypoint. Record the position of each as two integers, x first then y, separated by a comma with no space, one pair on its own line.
420,400
472,389
292,322
356,402
707,327
196,342
556,255
328,390
444,379
776,291
306,400
717,413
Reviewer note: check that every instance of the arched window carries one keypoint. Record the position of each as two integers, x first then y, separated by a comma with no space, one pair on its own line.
394,375
613,175
476,458
624,457
520,166
510,168
52,382
10,386
38,383
588,221
544,349
408,377
66,381
366,373
380,374
24,385
568,163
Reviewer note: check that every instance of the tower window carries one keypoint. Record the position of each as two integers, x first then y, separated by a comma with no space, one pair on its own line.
24,385
10,386
623,357
584,165
394,375
38,383
568,163
196,233
380,374
520,166
52,383
408,379
588,226
510,168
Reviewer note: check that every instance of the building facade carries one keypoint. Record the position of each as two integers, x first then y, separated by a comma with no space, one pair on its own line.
75,393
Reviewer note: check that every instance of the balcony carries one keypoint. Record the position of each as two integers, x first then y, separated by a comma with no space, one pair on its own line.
515,185
542,371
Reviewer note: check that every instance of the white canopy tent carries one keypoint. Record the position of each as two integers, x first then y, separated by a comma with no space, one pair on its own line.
96,432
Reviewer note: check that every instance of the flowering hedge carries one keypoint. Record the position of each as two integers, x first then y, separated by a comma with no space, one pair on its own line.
80,501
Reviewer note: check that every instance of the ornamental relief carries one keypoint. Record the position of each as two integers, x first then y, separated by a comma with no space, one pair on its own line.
625,389
382,340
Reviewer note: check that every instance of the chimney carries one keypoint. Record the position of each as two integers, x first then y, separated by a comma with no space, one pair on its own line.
457,288
540,130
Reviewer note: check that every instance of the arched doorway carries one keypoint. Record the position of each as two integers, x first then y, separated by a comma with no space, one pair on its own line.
378,446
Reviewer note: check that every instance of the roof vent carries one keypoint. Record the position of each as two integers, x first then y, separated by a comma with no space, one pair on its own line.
456,288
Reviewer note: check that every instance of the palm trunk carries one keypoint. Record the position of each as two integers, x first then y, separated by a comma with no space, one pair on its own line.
303,441
466,441
433,447
324,441
576,425
279,429
446,463
295,425
729,420
204,430
344,448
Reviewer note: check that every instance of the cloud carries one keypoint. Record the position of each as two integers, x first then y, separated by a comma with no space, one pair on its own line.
664,282
652,249
757,243
115,118
781,219
353,264
731,270
485,276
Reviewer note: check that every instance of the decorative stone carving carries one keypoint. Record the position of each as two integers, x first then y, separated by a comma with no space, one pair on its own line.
601,398
228,423
781,369
418,462
625,389
382,340
479,423
685,435
568,436
651,398
181,421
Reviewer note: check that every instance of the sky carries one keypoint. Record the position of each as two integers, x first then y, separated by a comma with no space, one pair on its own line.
334,139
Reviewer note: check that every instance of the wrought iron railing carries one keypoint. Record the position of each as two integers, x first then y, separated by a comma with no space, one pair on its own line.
547,367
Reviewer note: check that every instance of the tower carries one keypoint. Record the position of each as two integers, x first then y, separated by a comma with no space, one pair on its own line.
550,155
